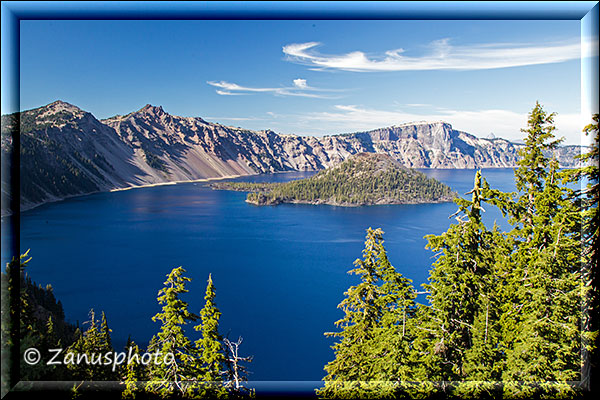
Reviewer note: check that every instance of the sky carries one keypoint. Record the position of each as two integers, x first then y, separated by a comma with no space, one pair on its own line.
312,77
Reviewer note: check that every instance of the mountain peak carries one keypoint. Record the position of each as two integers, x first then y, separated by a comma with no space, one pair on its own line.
152,110
61,107
59,102
374,161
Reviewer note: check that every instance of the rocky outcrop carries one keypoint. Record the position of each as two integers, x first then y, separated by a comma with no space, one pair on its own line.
66,151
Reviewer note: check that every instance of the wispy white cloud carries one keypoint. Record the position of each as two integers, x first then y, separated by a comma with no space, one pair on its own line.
417,105
441,55
228,93
300,88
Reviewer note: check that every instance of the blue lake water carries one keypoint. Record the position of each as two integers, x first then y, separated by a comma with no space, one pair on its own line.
279,271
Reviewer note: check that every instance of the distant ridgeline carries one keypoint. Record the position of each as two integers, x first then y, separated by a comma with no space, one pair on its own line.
66,151
362,179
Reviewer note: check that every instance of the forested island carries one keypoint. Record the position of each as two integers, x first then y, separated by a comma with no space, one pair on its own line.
362,179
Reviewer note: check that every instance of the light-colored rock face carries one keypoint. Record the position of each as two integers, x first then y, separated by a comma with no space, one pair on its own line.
150,146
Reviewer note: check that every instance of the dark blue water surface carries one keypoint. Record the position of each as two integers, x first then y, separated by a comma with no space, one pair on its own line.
280,271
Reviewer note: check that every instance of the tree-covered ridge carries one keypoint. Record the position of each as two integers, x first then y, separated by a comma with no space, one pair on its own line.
42,321
42,118
47,171
362,179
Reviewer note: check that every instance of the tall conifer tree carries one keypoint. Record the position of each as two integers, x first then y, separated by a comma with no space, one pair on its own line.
133,372
367,357
541,327
210,352
176,377
461,290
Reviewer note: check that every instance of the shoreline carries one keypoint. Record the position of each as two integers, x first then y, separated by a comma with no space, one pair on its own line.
178,182
349,205
54,200
30,207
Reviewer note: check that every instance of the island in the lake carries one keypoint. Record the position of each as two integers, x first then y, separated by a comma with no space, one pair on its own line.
362,179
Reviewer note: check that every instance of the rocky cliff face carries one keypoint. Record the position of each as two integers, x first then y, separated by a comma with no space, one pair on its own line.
66,151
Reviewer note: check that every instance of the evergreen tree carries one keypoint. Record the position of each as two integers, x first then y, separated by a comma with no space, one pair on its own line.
133,372
484,360
105,331
532,171
461,292
28,334
504,315
176,377
368,356
542,317
209,348
591,241
87,353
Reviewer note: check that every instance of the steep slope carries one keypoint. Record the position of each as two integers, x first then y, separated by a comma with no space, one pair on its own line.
191,148
66,151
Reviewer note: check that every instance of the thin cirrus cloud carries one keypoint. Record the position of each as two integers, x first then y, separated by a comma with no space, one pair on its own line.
441,55
300,88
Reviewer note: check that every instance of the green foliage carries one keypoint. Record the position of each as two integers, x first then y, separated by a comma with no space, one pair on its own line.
167,379
363,179
41,322
461,290
590,198
244,186
209,348
545,283
504,317
195,369
192,370
88,350
133,374
375,335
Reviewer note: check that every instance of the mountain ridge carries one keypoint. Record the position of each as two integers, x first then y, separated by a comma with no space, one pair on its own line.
66,151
